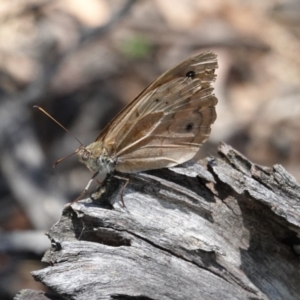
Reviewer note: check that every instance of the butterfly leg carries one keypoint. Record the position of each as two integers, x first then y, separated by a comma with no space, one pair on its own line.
99,182
90,182
86,188
123,187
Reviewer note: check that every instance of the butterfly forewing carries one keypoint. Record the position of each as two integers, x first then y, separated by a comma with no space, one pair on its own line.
167,123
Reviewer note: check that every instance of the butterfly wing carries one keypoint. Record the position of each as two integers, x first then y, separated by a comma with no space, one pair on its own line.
168,122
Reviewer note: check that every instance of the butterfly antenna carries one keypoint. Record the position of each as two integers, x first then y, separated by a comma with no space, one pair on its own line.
63,127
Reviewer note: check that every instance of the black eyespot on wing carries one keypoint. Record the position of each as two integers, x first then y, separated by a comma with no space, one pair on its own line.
156,100
189,127
190,74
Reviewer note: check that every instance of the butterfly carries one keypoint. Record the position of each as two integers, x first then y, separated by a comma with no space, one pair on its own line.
164,126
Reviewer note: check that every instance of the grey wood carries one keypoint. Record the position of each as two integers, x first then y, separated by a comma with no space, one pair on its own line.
223,228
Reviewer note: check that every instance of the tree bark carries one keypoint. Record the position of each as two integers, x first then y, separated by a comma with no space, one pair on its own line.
223,228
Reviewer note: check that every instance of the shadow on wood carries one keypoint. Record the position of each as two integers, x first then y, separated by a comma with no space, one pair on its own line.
222,229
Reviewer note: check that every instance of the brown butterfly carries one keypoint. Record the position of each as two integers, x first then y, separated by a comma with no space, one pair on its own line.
163,126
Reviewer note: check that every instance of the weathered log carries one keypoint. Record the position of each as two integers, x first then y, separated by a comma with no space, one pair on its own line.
222,229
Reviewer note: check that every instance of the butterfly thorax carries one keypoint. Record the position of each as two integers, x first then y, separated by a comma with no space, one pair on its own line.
97,158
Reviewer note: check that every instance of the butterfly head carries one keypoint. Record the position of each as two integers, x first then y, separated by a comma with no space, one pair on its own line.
96,158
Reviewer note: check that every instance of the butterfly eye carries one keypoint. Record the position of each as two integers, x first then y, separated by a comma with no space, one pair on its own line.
85,155
190,74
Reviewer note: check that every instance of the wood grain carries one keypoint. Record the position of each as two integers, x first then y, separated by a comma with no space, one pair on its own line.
222,229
